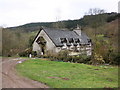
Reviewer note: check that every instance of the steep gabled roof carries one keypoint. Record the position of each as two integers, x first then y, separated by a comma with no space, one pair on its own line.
56,34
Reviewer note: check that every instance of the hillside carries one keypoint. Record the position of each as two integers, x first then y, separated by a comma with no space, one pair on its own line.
87,20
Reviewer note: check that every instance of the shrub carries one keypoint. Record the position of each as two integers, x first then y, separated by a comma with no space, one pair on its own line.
62,55
85,59
25,53
115,59
65,57
34,53
9,55
82,59
97,59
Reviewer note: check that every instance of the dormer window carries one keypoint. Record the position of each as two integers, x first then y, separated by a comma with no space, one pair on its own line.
77,40
89,40
70,40
63,40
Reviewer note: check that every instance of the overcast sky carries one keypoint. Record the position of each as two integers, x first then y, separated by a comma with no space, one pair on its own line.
18,12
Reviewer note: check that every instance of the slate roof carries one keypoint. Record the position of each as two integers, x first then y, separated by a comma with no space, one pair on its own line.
56,34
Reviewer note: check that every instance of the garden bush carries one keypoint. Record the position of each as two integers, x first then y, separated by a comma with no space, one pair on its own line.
25,53
97,59
65,57
34,53
115,59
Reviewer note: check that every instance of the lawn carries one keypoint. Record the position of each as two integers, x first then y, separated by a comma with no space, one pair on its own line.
69,75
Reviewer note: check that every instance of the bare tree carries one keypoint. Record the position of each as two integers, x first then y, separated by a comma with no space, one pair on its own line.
95,11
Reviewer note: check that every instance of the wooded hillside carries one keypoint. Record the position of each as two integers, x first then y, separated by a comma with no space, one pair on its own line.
87,20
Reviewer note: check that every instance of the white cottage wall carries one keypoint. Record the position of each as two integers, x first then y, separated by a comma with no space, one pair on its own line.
50,46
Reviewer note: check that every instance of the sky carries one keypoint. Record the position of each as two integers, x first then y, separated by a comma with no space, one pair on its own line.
19,12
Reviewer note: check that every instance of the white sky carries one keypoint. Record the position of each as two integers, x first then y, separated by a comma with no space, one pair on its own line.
18,12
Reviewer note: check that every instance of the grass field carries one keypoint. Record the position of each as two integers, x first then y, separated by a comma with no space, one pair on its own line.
69,75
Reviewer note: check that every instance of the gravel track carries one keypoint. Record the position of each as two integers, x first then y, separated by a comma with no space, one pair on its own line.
10,78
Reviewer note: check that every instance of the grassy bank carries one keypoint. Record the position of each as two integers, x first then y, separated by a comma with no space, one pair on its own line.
69,75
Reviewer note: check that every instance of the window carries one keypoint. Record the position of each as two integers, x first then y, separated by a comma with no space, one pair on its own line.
89,40
77,40
63,40
41,40
70,40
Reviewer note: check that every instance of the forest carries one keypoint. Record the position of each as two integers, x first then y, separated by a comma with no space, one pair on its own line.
101,27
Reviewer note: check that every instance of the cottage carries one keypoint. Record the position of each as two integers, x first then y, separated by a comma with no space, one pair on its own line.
54,40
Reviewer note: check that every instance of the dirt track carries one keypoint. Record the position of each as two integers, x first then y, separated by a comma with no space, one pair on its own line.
10,78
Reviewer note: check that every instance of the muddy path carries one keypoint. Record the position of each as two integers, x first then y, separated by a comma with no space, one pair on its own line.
11,79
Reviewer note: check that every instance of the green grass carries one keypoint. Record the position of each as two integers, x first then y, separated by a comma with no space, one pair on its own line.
69,75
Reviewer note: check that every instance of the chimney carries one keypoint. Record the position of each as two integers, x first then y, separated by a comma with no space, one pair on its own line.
78,30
